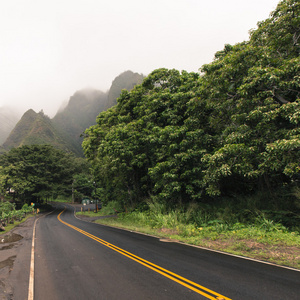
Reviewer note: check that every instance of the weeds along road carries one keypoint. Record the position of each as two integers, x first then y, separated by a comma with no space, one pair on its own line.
80,260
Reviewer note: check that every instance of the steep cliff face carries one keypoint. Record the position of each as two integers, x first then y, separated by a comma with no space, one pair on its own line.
127,80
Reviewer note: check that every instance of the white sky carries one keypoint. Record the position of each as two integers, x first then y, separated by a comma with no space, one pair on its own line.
51,48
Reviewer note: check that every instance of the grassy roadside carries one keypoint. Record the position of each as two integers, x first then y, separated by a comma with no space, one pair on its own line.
266,240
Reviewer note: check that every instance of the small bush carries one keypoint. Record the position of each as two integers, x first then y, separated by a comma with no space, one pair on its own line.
111,208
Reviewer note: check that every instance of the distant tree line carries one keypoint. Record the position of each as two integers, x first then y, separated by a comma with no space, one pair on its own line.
231,130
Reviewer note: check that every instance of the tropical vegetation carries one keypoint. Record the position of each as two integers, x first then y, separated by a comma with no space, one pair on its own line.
231,130
9,214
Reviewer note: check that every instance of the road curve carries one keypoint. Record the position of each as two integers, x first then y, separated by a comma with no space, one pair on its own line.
81,260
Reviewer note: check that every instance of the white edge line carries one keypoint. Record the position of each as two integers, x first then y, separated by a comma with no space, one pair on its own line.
195,246
31,270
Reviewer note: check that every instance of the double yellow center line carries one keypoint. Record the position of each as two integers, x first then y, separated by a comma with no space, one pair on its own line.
209,294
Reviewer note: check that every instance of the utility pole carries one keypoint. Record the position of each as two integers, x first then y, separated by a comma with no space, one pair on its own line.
73,192
95,189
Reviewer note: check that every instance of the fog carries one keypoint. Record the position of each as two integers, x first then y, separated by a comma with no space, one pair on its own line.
50,49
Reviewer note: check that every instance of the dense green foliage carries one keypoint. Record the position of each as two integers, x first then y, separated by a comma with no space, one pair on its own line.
230,131
37,172
8,212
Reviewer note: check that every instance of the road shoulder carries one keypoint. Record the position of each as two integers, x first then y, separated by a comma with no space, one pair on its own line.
15,247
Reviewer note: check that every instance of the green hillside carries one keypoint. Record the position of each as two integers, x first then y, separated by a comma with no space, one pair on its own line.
34,128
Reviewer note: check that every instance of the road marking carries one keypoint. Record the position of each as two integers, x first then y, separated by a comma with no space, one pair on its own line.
31,272
209,294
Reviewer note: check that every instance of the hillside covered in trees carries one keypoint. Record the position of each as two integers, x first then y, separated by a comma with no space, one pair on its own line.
230,130
35,129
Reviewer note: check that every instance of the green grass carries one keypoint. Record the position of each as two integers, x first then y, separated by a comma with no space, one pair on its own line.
62,200
90,213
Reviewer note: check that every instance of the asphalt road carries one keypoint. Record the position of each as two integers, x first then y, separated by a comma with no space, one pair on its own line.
81,260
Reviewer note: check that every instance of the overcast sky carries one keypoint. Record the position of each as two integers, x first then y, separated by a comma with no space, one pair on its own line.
51,48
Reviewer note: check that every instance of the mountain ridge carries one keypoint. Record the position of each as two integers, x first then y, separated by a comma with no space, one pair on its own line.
66,128
34,128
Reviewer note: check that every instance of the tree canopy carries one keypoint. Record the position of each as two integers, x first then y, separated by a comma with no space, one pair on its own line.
37,172
233,128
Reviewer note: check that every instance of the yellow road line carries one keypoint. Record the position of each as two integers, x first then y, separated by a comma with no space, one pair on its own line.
209,294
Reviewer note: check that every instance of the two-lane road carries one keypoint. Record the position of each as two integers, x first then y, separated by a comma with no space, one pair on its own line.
80,260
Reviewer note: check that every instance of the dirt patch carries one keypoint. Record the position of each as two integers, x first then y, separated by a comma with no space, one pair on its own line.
2,285
10,246
167,240
9,262
168,231
10,238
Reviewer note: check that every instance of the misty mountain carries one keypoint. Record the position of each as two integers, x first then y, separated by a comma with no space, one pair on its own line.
127,80
8,119
34,128
80,113
65,130
85,105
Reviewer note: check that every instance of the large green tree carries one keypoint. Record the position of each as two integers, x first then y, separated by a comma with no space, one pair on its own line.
37,171
253,89
149,143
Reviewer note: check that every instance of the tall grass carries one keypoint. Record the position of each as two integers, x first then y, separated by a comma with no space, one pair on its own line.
197,223
226,217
